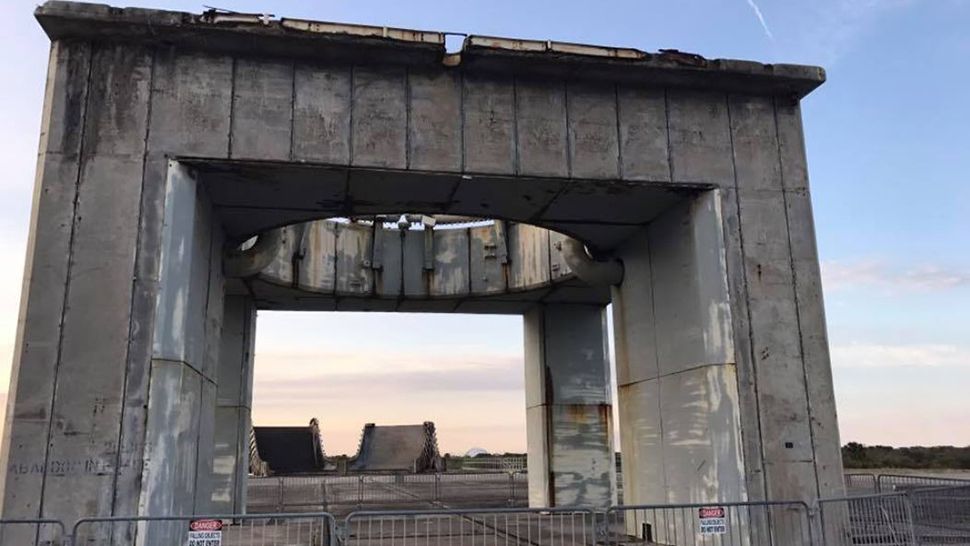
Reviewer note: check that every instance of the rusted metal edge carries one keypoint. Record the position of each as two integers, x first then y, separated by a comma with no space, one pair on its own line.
667,68
265,35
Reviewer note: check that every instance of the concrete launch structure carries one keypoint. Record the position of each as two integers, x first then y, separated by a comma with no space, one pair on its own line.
672,186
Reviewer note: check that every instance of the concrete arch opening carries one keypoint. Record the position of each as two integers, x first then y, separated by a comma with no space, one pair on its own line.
170,138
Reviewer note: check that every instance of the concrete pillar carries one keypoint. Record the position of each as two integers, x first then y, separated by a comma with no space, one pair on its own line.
185,352
680,430
680,424
569,418
234,406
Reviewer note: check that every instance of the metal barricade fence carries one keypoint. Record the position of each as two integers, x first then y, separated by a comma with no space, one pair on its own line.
941,515
473,527
887,483
305,529
491,490
710,524
38,531
858,483
879,518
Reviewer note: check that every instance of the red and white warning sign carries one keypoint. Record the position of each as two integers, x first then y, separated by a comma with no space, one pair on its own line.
205,532
712,520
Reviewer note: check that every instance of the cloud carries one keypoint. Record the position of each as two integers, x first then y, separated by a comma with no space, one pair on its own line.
761,19
350,385
878,275
874,355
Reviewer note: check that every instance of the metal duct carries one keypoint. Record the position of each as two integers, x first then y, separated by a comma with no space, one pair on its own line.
246,263
590,271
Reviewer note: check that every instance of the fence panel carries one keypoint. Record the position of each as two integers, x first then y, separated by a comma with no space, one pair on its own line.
888,483
858,483
303,494
480,527
941,515
285,529
715,524
491,490
42,532
884,518
264,495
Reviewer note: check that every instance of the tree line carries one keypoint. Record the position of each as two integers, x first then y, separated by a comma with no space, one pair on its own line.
856,455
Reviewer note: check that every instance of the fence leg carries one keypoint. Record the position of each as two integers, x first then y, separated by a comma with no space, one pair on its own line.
360,491
910,517
279,504
511,489
436,494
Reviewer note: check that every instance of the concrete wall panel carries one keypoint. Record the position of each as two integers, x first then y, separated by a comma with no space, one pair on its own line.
815,348
321,114
634,323
700,137
593,131
774,323
189,114
88,404
743,352
434,131
262,109
379,118
791,144
702,444
755,143
642,442
642,115
191,102
540,113
174,405
45,274
687,267
489,125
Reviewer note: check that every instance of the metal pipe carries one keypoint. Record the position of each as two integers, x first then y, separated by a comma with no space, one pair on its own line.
246,263
590,271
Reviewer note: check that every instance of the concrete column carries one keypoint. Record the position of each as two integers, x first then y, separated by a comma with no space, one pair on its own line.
234,406
568,407
680,429
188,326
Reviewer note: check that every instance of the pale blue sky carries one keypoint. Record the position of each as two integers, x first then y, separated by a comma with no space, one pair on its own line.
889,157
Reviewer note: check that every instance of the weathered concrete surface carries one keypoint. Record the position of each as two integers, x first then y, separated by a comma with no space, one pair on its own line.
677,382
569,415
233,414
330,261
116,365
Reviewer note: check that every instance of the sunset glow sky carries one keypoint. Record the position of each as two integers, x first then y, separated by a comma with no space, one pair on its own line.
889,161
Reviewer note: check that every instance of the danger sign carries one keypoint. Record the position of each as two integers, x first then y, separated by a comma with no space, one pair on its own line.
205,532
711,520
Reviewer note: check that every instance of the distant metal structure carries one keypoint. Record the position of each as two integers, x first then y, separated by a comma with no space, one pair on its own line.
282,450
397,448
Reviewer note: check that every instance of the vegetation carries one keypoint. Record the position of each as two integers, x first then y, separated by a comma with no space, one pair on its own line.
856,455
